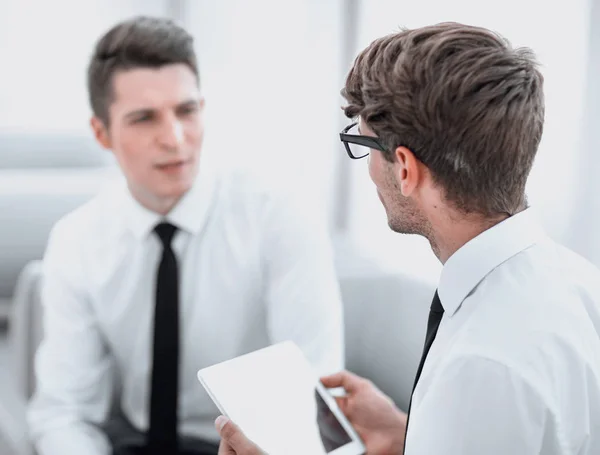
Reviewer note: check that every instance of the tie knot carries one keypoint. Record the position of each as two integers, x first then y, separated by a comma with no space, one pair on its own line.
165,232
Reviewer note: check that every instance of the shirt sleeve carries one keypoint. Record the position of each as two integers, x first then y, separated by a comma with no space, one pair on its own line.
476,406
72,394
303,296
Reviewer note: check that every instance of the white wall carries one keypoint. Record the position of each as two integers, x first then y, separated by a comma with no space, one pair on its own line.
271,75
584,224
272,71
44,49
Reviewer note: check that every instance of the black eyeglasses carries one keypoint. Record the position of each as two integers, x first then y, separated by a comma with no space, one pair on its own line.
358,139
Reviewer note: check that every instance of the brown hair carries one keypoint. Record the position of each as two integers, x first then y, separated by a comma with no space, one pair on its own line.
140,42
468,105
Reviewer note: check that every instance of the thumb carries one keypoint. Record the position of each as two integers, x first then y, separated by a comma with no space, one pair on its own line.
225,449
235,438
345,379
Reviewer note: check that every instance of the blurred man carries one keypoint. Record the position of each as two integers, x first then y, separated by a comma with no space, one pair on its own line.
179,268
451,117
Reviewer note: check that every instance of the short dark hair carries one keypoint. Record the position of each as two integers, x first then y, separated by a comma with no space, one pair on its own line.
467,104
140,42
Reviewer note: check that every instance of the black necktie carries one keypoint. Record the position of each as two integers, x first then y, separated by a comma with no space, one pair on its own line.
435,316
162,433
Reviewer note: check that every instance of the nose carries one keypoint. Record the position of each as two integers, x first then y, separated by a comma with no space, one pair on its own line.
171,134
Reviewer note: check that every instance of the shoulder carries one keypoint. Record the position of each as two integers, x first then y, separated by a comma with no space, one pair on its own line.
536,315
545,279
576,269
89,223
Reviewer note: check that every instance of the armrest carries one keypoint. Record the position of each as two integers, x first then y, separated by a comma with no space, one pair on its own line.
13,422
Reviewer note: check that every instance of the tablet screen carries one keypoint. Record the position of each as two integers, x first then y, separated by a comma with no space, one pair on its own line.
333,435
275,397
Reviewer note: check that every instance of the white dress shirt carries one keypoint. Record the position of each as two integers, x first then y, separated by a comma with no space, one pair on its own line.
255,268
515,366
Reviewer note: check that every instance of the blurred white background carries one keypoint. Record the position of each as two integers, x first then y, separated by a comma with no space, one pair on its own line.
271,72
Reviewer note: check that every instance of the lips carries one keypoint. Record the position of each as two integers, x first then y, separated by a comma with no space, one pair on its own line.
172,165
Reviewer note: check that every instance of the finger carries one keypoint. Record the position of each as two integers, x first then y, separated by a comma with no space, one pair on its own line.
235,438
342,403
345,407
345,379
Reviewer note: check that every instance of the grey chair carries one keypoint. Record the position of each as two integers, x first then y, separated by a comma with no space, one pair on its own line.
26,327
25,332
31,202
385,319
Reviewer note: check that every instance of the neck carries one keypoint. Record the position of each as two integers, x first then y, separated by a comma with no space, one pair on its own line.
160,205
450,231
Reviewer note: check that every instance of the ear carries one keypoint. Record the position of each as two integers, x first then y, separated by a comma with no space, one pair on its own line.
100,132
408,170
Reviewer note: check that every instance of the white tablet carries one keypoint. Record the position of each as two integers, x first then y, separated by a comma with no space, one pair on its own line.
276,398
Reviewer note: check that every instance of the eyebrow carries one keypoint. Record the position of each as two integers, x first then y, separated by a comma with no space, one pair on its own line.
188,103
150,111
139,113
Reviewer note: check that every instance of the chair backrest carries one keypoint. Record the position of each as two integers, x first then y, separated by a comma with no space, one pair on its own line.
31,202
385,324
25,330
29,151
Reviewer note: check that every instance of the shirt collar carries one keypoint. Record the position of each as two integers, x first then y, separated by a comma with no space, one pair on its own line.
189,214
471,263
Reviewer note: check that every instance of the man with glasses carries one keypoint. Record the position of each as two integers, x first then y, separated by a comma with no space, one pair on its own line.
451,117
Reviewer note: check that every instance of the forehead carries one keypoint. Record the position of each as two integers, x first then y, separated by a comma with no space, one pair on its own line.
154,87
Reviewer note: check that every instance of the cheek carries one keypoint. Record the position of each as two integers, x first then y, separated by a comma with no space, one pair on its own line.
374,170
194,132
132,148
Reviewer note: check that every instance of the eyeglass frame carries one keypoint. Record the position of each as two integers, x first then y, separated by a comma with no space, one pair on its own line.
358,139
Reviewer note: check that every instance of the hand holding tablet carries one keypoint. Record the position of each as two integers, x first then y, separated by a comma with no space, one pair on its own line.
278,402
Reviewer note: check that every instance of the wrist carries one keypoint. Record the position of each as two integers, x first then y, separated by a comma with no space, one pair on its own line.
396,444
